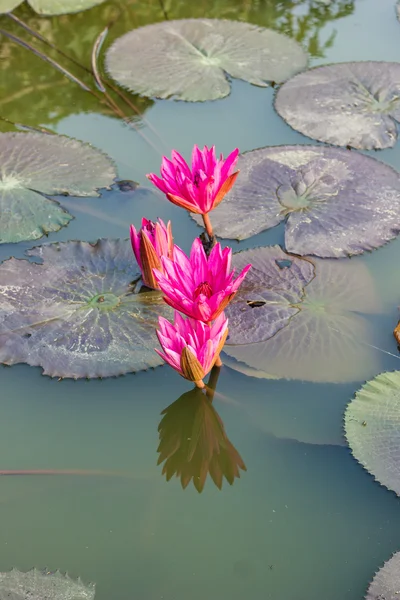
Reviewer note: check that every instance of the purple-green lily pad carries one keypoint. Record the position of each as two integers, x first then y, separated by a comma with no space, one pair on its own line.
34,165
39,584
386,583
347,104
79,313
335,202
188,59
306,324
372,428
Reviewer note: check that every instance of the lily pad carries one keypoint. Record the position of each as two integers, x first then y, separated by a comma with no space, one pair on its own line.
34,164
372,428
51,7
315,332
386,583
8,5
79,314
38,585
348,104
188,59
335,202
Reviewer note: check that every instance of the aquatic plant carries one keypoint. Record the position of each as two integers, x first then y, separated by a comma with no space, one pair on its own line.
200,287
201,188
190,346
149,244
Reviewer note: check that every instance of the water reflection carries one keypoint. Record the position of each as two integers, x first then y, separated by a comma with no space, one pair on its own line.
193,441
302,20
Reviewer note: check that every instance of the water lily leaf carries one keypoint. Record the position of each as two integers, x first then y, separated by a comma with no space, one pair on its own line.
187,59
349,104
79,314
336,202
33,164
320,333
51,7
372,428
386,583
8,5
37,585
62,7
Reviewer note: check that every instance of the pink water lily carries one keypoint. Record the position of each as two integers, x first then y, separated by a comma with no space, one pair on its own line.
190,346
149,244
201,188
198,286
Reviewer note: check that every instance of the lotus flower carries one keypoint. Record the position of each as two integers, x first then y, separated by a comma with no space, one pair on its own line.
198,286
153,241
191,347
201,188
193,443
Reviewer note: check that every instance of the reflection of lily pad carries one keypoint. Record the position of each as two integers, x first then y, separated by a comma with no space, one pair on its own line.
386,583
188,58
320,334
355,104
78,314
336,202
33,164
51,7
43,585
372,427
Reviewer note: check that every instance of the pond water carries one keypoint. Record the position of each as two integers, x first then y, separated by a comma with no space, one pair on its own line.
305,521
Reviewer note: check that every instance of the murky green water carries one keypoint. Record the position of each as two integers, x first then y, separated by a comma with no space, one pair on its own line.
305,521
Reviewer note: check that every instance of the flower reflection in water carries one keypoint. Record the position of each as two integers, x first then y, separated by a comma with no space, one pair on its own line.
193,441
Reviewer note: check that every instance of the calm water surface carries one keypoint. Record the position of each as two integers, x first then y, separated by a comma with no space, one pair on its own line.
305,522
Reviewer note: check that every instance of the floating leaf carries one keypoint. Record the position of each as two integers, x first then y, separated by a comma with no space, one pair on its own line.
372,428
349,104
188,59
8,5
51,7
314,332
386,583
337,202
43,585
33,164
79,314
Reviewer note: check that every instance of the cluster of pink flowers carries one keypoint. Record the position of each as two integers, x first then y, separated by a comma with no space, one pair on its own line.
198,286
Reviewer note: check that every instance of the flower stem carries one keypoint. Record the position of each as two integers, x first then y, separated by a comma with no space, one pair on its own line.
212,240
218,362
208,226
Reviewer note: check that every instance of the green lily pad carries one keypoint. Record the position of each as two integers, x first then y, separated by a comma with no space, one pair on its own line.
188,59
39,585
51,7
372,428
301,318
34,164
8,5
386,583
79,313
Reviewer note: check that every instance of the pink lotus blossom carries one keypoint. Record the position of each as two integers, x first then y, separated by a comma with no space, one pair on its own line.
190,346
153,241
198,286
201,188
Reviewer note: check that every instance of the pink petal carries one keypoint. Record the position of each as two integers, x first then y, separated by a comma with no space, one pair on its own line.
181,162
135,241
236,284
198,262
157,182
229,164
